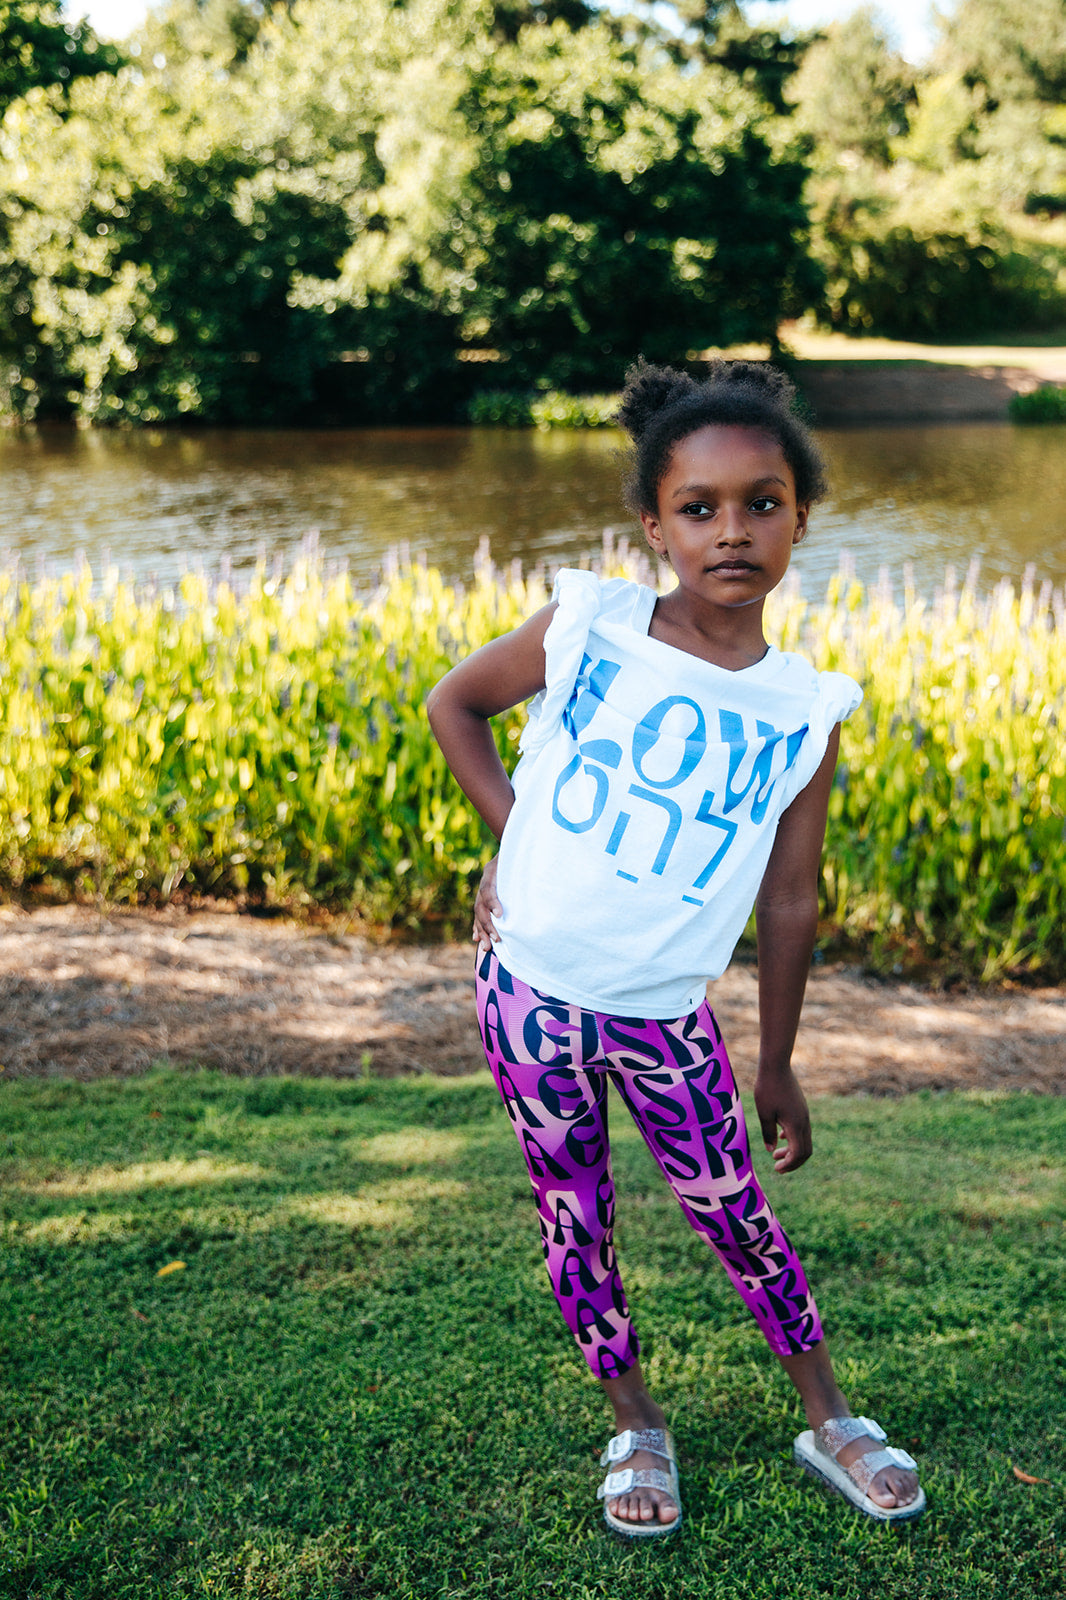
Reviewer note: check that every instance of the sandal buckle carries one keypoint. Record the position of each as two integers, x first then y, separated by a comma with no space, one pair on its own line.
874,1429
902,1458
616,1483
620,1448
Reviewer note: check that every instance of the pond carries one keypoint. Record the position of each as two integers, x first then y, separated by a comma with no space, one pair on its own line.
154,502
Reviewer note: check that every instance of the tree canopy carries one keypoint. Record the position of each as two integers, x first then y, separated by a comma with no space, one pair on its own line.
276,212
38,46
935,193
851,91
357,207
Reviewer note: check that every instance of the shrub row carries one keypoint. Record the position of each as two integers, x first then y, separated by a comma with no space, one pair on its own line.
552,408
272,742
1046,404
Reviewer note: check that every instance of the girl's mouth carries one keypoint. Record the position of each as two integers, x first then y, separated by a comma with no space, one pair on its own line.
733,566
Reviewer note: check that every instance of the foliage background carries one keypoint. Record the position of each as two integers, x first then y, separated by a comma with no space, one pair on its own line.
271,212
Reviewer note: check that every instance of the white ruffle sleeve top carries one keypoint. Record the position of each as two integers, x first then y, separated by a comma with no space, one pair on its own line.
647,798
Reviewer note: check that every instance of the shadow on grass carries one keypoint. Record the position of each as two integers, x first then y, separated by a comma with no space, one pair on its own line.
357,1383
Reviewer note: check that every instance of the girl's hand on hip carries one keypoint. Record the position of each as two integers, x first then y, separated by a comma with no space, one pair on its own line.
784,1120
487,906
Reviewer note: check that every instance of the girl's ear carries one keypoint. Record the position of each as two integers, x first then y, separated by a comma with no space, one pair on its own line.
800,530
652,532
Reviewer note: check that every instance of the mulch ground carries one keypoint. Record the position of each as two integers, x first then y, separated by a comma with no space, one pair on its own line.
87,995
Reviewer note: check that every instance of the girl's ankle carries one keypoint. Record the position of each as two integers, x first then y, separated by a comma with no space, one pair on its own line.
826,1406
636,1415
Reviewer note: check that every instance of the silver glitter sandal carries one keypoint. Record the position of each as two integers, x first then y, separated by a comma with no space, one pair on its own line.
659,1443
816,1452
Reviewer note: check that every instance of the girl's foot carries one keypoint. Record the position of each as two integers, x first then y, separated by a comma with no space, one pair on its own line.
642,1505
852,1455
893,1487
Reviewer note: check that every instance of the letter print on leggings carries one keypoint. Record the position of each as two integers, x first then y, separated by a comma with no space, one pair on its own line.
551,1062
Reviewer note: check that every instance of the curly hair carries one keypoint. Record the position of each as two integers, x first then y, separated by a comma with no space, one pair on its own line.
661,406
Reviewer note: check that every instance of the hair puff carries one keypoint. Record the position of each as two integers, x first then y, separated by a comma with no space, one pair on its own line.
648,391
661,406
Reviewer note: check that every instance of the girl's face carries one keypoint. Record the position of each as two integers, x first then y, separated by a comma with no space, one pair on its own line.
728,517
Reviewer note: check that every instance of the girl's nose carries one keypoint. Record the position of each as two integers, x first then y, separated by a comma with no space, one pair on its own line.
732,528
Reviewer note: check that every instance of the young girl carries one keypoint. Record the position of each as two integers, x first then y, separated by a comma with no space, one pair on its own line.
675,771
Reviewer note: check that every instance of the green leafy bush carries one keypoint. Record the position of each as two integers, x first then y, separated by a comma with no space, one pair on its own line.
558,410
501,408
1046,404
519,408
911,282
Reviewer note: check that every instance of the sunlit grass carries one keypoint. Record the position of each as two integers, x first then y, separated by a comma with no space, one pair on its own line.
273,741
359,1387
145,1175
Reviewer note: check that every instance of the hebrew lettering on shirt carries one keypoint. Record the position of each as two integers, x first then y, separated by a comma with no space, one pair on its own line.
604,787
588,694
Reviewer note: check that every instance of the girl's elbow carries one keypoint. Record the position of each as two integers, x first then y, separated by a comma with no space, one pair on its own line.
797,910
448,714
436,703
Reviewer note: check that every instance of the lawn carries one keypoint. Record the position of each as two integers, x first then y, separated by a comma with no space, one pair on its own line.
358,1384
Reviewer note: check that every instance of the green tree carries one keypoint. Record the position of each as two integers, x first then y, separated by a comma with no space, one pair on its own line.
716,31
852,90
342,208
1012,62
942,124
222,31
920,189
162,225
620,205
1014,52
39,46
509,17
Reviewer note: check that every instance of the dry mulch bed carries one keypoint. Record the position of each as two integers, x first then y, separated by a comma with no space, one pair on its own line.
86,994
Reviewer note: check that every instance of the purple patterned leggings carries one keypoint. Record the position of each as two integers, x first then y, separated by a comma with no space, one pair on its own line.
551,1062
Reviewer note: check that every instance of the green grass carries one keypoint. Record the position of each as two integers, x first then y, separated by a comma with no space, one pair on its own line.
359,1384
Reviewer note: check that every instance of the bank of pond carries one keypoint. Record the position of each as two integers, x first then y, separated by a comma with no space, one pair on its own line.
268,740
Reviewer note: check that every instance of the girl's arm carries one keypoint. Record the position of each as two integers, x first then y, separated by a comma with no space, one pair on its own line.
500,675
786,915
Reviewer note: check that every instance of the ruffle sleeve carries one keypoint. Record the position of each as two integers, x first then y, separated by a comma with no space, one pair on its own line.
836,697
578,596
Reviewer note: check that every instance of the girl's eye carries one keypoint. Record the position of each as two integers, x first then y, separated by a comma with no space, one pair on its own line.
765,502
696,508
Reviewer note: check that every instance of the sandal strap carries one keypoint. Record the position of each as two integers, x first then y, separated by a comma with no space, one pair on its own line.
656,1440
864,1470
617,1483
837,1432
834,1434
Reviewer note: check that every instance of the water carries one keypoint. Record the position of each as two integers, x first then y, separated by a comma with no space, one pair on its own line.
155,502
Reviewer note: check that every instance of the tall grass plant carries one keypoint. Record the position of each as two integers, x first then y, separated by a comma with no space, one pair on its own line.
269,740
